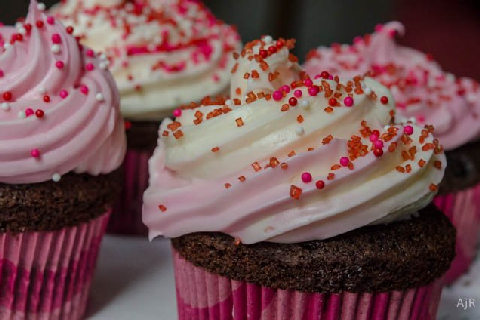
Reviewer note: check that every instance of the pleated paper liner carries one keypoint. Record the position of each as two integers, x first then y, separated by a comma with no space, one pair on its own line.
463,210
47,275
202,295
126,217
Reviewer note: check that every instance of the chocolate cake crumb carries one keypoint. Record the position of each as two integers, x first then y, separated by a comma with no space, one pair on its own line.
398,256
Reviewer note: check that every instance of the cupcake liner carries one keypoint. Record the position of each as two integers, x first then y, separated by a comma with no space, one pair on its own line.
202,295
47,275
463,210
126,217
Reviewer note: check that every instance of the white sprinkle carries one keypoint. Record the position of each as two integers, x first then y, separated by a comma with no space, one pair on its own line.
56,48
22,31
56,177
41,6
42,90
18,25
367,90
299,131
6,45
103,65
268,39
305,104
103,56
99,97
21,114
228,102
450,77
472,98
5,106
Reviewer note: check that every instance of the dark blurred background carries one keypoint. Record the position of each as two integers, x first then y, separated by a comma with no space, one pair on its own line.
448,29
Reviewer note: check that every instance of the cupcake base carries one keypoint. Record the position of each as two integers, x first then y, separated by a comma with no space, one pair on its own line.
204,295
47,275
463,210
126,216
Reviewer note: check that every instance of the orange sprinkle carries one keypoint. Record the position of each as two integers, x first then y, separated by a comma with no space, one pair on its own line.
351,166
162,208
239,122
227,185
237,102
335,167
328,109
284,166
392,147
256,166
291,154
327,139
178,134
235,67
408,167
400,169
331,176
428,146
295,192
238,91
174,125
285,107
310,149
300,119
433,187
242,178
255,74
437,164
165,133
246,75
421,163
274,162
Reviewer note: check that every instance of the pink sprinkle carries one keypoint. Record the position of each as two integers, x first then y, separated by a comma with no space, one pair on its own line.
29,112
358,40
56,38
84,89
35,153
373,137
277,95
90,53
378,144
59,64
348,101
298,93
63,94
286,89
378,27
177,113
313,91
50,20
344,161
2,74
308,82
89,66
392,33
330,77
408,130
307,177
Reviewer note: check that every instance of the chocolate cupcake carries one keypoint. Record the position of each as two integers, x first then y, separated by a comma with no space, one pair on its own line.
62,141
299,199
424,93
163,54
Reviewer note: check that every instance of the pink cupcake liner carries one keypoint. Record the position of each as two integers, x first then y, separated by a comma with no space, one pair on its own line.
463,210
126,217
202,295
47,275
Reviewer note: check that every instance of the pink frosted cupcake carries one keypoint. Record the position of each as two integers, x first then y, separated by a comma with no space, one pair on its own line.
163,54
425,94
62,141
293,200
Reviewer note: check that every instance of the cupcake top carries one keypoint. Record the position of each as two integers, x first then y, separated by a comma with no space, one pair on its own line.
289,158
59,107
423,92
163,53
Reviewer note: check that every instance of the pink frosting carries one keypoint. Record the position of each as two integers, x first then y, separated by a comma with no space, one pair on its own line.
59,108
421,89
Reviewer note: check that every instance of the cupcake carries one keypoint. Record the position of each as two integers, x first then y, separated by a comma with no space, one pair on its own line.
299,199
424,93
162,54
62,141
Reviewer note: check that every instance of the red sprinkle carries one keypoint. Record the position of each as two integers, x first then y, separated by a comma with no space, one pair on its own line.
384,100
39,113
320,184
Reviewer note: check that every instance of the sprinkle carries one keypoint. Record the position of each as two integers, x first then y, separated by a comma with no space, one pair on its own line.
35,153
239,122
178,134
367,90
242,178
421,163
300,118
41,6
99,97
89,66
59,64
344,161
56,177
56,38
307,177
320,184
162,208
127,125
325,75
304,104
284,166
332,102
378,152
21,114
7,96
84,90
39,113
5,106
313,91
374,137
292,154
433,187
277,95
384,100
437,164
256,166
295,192
293,101
308,82
378,144
299,131
55,48
400,169
268,39
215,149
348,101
70,29
298,93
227,185
331,176
408,130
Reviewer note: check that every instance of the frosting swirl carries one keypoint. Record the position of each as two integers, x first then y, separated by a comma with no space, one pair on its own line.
163,53
421,89
59,110
289,158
